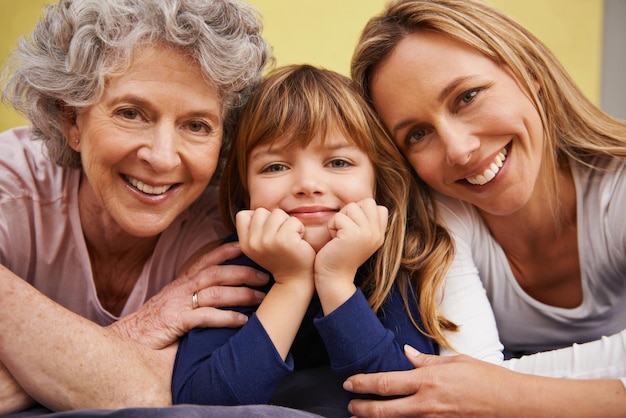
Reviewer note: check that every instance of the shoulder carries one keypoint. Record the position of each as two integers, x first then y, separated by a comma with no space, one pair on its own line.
18,147
25,168
600,190
460,218
602,179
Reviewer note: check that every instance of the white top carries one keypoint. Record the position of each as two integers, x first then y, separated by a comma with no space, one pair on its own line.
41,238
528,326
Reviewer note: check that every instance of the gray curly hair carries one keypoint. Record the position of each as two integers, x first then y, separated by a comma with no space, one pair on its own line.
79,44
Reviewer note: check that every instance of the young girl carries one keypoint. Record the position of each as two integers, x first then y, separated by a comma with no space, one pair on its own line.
357,267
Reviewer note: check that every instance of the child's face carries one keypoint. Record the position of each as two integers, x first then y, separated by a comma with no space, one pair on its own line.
311,183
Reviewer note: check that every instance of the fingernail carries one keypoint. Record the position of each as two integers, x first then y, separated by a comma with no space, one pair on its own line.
242,318
262,277
411,351
259,295
347,385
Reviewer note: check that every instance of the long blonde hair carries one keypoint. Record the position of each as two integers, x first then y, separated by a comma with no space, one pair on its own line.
302,102
573,126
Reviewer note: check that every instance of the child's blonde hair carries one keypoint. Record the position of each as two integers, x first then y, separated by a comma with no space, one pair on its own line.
302,102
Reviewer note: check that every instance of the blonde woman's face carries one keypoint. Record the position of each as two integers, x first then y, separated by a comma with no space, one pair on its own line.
463,122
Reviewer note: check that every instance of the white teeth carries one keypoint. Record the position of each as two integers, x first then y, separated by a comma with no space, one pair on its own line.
146,188
490,172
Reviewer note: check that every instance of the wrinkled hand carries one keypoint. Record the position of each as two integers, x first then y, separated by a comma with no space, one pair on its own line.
457,386
275,241
356,231
12,396
169,314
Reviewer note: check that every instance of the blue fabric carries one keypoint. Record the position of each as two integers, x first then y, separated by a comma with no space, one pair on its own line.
241,366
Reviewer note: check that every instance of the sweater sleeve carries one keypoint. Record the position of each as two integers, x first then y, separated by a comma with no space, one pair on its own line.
223,366
463,300
603,358
360,342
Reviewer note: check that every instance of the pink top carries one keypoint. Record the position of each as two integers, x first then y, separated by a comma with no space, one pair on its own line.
41,238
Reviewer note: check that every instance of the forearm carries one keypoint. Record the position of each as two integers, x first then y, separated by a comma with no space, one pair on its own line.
282,310
367,345
12,396
228,367
84,366
548,397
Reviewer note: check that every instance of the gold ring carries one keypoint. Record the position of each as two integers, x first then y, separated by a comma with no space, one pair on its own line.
194,300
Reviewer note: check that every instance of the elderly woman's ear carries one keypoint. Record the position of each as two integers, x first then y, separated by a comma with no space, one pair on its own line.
70,128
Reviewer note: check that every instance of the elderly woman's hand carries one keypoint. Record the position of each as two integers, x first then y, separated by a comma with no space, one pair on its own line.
171,313
12,396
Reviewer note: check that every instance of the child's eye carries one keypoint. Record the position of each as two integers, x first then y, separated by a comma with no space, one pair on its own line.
273,168
339,163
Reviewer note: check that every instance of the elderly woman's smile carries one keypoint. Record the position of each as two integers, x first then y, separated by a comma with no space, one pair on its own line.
158,129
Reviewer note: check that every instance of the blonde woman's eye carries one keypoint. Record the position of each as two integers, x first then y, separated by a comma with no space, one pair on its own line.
415,135
468,96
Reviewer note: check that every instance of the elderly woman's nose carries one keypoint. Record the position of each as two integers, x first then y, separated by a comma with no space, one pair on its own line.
161,149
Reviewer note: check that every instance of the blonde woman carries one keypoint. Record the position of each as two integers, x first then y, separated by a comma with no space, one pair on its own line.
530,180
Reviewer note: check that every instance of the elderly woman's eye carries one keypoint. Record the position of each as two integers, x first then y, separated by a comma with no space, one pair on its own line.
199,127
130,114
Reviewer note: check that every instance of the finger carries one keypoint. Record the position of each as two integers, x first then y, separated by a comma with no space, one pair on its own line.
412,354
383,216
355,212
418,359
384,384
227,296
227,275
214,257
212,318
255,232
371,210
242,223
292,226
400,407
274,222
377,215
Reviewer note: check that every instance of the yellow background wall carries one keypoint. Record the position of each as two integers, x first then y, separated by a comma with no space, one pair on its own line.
324,32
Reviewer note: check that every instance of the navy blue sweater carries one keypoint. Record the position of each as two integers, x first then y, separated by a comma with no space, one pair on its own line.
226,366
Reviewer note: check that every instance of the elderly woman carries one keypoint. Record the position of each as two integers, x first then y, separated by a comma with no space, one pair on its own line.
105,199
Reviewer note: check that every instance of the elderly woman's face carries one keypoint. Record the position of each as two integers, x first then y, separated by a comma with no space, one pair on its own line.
151,145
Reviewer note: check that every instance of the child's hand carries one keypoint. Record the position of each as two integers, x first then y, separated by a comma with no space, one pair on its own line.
274,241
357,231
